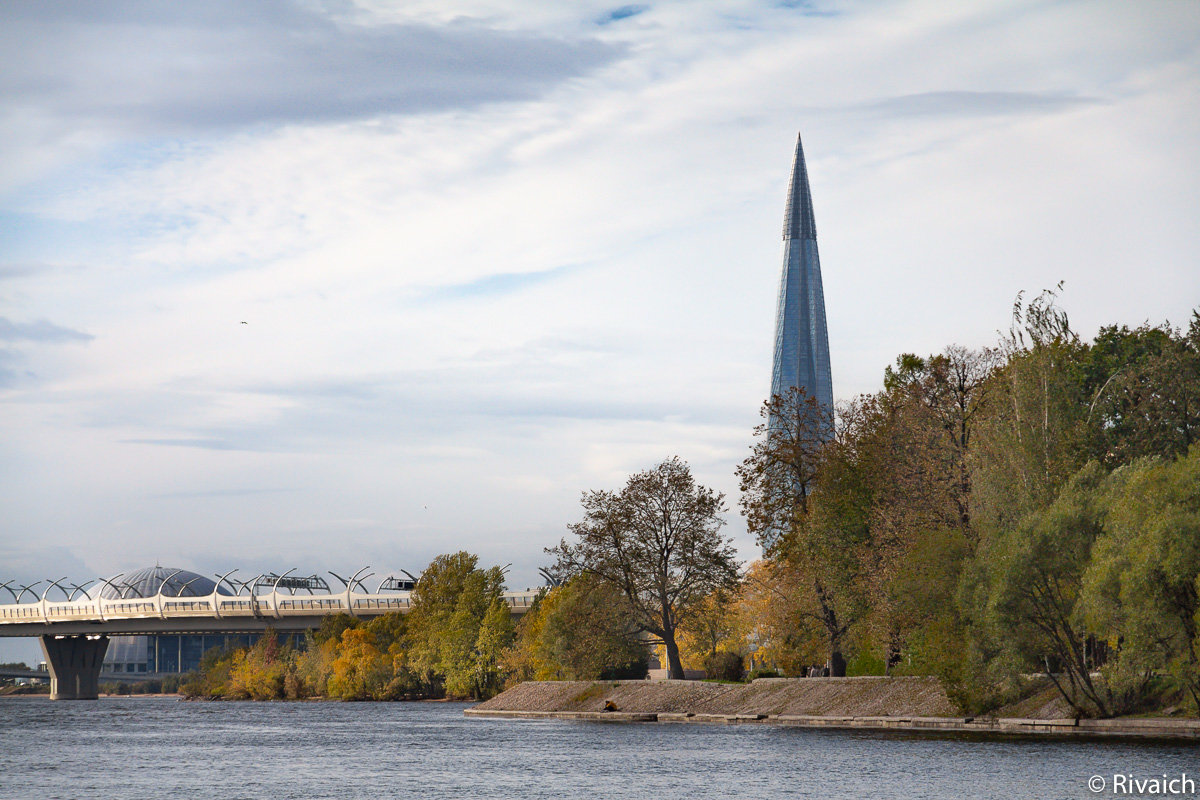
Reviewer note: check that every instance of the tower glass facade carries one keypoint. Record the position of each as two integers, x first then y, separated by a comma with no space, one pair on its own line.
801,336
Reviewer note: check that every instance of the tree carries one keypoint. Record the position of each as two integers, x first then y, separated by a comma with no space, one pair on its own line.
495,637
658,542
361,670
777,608
807,499
911,446
450,604
1143,388
1142,588
950,387
582,630
779,476
712,625
1033,436
1035,574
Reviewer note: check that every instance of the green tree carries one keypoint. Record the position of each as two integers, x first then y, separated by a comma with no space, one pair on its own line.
658,542
449,605
1143,387
1033,436
1034,576
589,633
1141,589
496,635
921,598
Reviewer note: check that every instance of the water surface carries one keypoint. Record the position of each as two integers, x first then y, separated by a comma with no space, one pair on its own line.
150,748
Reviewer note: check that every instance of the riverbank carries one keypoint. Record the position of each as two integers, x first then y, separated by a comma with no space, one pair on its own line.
867,703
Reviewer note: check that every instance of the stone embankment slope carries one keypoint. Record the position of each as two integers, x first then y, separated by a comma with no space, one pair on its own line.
911,704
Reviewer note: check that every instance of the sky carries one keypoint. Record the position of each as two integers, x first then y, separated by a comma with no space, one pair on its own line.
333,284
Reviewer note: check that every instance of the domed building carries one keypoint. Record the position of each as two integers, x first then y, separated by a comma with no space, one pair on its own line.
168,581
164,653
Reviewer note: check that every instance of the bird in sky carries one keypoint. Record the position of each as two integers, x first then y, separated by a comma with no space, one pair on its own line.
245,323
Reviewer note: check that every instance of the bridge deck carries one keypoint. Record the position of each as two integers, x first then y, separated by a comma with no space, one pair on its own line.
216,613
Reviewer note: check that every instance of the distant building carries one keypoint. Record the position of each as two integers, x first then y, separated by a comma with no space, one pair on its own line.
801,337
164,653
167,654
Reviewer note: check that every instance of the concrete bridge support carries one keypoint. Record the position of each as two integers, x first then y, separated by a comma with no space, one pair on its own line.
74,663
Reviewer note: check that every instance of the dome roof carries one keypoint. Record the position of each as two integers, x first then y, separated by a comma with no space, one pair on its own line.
147,582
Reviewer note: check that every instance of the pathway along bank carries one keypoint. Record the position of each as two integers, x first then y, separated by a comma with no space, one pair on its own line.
865,703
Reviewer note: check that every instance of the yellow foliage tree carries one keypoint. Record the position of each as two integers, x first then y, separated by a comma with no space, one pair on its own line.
360,671
713,625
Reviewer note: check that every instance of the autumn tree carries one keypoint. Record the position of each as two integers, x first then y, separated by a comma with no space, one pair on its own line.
780,474
361,671
946,395
580,630
658,542
803,495
913,444
778,612
712,626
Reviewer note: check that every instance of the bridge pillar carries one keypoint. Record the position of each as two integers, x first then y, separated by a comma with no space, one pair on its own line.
74,663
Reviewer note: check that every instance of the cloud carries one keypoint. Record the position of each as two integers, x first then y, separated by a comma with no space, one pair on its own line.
40,331
216,493
8,375
414,337
77,78
206,444
960,103
27,562
500,284
187,67
10,272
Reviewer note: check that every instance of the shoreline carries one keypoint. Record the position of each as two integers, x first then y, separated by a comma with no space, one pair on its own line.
1136,728
897,705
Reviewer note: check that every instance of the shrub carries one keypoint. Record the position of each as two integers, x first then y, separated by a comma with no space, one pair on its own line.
763,673
723,666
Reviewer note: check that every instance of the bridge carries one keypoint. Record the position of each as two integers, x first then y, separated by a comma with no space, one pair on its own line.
75,629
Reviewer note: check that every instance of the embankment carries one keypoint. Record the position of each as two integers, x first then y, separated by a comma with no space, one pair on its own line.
906,704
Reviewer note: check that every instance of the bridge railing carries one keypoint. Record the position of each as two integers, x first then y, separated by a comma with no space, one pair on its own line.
268,605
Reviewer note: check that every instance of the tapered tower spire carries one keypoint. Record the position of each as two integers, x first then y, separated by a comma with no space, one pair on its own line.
801,337
798,220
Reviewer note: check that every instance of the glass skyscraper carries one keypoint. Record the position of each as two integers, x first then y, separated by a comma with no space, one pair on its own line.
801,338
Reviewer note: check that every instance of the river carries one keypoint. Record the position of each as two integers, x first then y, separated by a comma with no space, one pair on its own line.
152,748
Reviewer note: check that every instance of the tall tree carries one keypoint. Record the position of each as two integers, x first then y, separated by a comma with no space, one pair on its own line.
1033,436
952,389
779,476
804,496
658,541
1035,572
